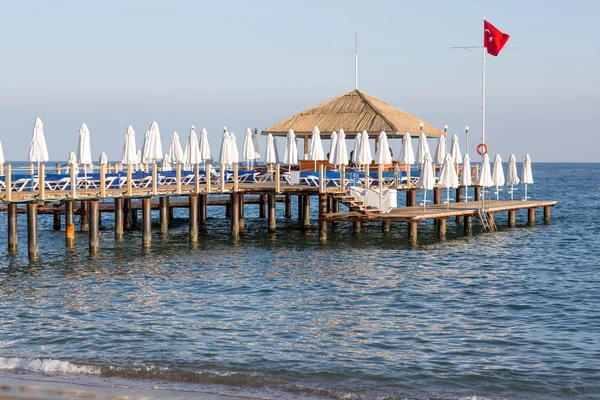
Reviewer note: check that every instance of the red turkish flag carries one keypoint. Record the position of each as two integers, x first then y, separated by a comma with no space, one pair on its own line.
493,39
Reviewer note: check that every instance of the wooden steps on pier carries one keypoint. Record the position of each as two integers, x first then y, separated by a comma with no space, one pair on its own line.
355,204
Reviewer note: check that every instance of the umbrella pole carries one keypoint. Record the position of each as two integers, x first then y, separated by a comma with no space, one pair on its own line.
512,191
448,197
497,193
424,198
525,193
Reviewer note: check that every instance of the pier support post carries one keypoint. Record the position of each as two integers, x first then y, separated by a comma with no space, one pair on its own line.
13,237
512,218
32,231
127,213
335,208
134,217
163,211
288,206
94,234
458,199
412,232
147,221
70,224
531,216
306,213
547,215
262,206
491,222
476,193
441,228
235,215
322,224
56,217
300,208
356,226
272,217
386,226
228,207
83,216
193,217
437,195
202,211
241,213
118,218
468,225
411,197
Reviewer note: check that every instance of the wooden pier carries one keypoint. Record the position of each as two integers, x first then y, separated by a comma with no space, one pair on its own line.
90,200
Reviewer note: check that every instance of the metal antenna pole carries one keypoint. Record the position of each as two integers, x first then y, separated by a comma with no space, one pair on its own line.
483,96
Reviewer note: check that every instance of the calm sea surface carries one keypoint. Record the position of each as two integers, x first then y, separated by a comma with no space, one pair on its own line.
513,314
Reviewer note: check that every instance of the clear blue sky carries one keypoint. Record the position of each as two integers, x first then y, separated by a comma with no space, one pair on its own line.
252,63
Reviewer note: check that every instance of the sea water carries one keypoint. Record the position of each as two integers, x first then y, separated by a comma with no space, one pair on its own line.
513,314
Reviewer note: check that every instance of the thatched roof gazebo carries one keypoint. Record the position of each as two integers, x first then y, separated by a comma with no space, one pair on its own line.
353,112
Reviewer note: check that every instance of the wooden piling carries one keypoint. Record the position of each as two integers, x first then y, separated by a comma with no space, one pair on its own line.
547,215
262,206
241,207
458,198
147,221
70,224
202,212
272,216
163,210
476,193
134,217
56,218
127,213
300,208
441,228
356,226
118,218
386,226
512,218
235,215
335,208
468,225
306,213
288,206
531,216
193,217
412,232
437,195
322,223
13,238
411,197
228,207
84,224
94,231
32,231
490,217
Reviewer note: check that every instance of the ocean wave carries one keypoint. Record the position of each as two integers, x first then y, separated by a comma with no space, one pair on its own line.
46,365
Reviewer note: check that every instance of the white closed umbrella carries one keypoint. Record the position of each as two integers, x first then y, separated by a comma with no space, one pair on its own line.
291,149
440,151
175,149
315,150
38,151
145,155
1,154
356,149
364,156
340,156
512,177
448,176
427,178
204,146
225,153
271,154
103,159
383,155
255,142
527,176
498,174
191,155
423,149
332,147
466,179
138,156
156,152
129,155
455,151
166,163
235,155
72,160
407,155
248,152
84,151
485,177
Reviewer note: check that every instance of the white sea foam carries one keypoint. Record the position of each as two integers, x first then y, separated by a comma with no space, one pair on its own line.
46,365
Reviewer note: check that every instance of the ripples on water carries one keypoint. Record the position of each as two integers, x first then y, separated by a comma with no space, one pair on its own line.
512,314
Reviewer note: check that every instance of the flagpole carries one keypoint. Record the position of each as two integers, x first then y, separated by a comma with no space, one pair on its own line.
356,61
483,95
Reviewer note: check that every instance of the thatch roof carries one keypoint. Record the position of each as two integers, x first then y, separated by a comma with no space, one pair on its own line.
354,112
